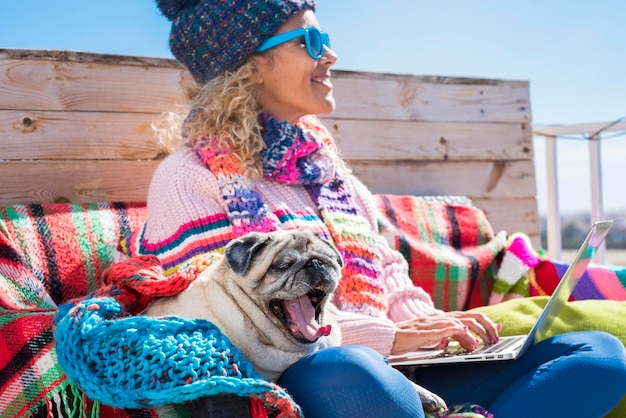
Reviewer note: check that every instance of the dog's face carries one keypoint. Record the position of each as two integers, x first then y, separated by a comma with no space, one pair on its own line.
289,275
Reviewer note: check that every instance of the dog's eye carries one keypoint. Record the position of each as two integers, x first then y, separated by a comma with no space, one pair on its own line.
281,265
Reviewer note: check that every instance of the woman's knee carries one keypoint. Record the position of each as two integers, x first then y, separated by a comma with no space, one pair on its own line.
597,358
584,371
594,344
610,352
350,381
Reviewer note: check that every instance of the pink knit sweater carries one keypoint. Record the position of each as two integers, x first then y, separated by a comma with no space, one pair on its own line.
186,215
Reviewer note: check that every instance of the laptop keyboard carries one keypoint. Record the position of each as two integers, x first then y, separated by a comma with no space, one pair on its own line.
499,346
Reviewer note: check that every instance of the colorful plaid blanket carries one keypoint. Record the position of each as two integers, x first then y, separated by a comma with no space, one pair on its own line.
455,256
49,254
449,244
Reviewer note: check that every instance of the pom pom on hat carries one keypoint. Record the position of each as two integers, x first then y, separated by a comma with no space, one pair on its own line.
211,37
171,8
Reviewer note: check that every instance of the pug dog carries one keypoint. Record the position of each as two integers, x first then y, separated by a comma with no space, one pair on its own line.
270,295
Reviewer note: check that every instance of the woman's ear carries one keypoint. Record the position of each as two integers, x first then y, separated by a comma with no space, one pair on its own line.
260,62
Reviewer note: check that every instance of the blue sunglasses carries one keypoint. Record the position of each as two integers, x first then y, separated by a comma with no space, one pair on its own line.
314,39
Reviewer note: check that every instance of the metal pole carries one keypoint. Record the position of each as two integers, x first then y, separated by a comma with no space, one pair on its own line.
595,168
553,218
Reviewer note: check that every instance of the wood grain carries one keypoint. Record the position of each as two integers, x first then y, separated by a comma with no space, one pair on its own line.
407,140
74,181
77,135
475,179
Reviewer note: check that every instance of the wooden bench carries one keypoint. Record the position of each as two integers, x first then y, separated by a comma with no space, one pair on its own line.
77,127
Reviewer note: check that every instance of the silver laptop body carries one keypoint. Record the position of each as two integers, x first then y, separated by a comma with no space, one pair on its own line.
512,347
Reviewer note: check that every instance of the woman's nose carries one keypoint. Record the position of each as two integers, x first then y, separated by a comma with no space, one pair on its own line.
330,56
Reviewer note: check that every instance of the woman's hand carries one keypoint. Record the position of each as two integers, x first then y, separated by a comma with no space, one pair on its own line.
435,331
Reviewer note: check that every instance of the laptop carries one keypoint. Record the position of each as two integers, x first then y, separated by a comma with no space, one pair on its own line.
512,347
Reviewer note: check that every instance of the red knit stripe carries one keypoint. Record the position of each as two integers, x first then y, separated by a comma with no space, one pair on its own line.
63,244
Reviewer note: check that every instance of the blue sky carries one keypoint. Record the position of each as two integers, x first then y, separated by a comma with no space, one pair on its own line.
573,53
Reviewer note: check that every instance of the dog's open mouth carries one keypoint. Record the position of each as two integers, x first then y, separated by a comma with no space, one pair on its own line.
301,315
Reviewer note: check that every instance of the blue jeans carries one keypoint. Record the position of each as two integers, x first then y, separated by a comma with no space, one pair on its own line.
350,381
581,374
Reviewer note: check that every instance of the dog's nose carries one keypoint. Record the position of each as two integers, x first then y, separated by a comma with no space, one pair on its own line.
314,264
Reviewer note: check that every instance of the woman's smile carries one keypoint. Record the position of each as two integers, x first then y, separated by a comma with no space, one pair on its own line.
324,80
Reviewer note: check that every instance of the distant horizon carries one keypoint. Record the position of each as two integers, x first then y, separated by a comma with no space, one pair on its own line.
586,213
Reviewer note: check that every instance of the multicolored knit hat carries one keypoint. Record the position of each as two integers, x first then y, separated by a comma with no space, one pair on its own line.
213,36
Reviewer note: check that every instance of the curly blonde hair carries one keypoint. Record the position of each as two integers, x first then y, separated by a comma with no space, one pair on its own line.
225,110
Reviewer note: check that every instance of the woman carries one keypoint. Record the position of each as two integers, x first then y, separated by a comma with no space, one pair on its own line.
255,160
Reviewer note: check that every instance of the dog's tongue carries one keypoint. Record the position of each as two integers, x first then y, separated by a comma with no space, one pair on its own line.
302,315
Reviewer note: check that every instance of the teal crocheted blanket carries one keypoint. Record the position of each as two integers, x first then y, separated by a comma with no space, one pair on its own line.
134,361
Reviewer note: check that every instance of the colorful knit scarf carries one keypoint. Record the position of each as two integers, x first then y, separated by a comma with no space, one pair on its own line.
304,155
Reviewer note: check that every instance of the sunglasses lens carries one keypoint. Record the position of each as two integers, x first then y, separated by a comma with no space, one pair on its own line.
315,41
325,39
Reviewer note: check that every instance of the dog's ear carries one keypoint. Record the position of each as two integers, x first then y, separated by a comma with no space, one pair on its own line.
239,252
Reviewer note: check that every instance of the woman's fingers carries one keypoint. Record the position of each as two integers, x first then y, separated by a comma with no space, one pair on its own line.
411,340
480,324
434,331
431,333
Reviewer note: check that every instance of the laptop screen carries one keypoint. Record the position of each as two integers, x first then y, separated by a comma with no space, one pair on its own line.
570,278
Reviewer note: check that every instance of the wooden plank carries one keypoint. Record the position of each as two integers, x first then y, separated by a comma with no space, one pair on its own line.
106,87
397,140
475,179
77,135
467,179
87,57
513,215
75,181
436,99
80,135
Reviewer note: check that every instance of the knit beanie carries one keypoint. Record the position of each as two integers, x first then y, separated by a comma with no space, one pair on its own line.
211,37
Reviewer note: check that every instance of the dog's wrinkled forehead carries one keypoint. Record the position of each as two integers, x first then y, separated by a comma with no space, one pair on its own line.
240,252
306,240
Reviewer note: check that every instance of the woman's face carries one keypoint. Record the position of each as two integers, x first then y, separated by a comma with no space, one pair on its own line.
291,83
